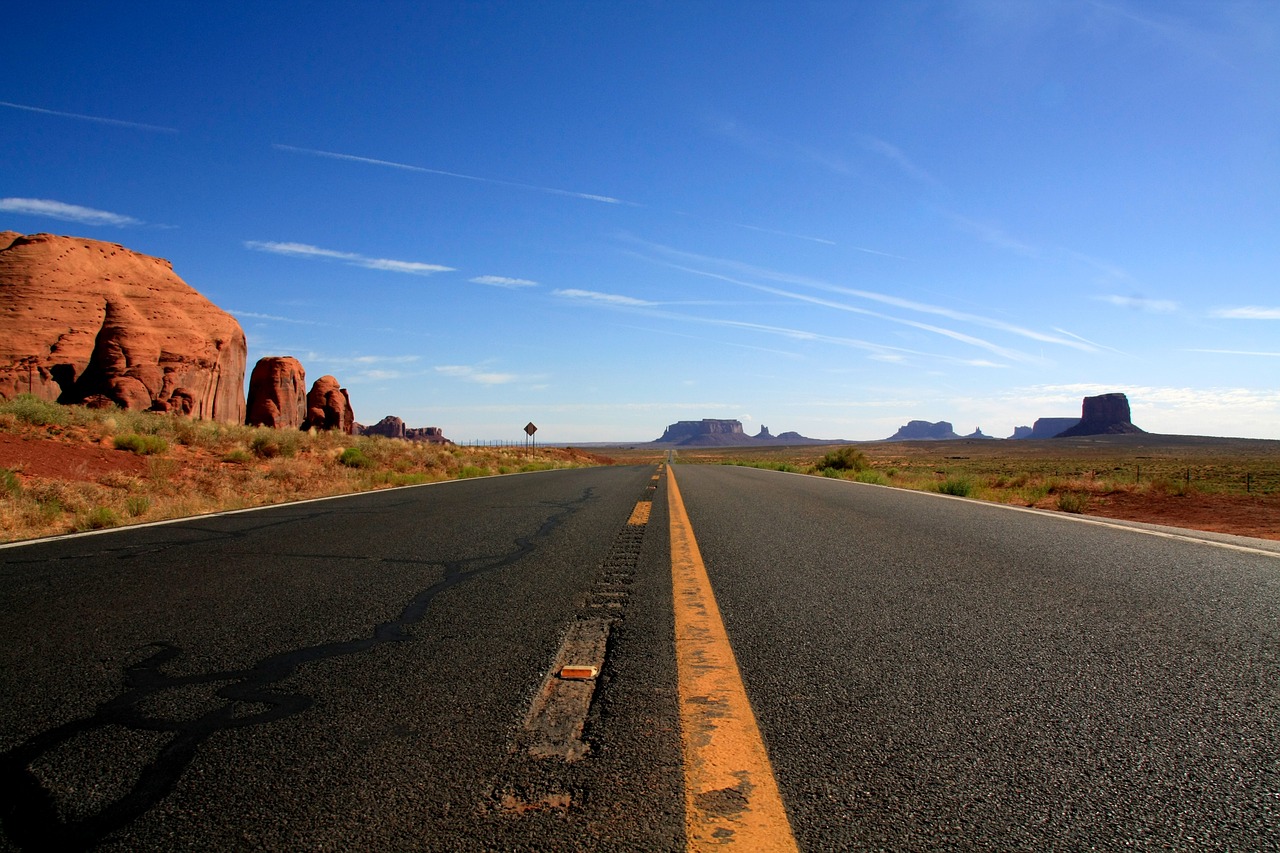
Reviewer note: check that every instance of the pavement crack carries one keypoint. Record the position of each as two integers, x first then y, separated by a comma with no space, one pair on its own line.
34,819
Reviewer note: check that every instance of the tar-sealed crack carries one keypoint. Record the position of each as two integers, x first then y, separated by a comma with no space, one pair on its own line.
531,777
253,697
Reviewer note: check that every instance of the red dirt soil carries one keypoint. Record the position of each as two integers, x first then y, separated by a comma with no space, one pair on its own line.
61,460
1241,515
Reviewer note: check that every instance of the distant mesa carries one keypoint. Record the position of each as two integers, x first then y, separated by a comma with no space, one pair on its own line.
719,432
924,431
978,433
393,427
277,393
83,321
1044,428
1106,414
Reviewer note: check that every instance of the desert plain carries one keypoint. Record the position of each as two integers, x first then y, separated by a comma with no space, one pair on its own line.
65,469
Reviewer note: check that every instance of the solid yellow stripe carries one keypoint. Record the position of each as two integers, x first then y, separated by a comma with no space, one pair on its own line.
731,796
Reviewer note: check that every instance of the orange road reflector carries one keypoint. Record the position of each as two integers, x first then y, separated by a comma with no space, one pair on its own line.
577,672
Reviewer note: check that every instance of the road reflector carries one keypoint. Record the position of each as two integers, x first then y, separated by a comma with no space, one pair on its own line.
578,672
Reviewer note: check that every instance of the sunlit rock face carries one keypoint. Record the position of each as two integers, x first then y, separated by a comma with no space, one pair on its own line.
83,321
329,407
277,393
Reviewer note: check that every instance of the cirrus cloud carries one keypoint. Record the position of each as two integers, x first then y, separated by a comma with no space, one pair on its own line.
594,296
67,212
1247,312
304,250
503,281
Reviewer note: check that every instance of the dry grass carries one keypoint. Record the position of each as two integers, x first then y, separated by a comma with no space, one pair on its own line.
193,467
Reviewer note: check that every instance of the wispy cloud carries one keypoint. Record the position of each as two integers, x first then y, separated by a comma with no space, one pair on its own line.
253,315
1140,303
66,212
601,298
1238,352
476,374
303,250
503,281
135,125
994,235
821,240
373,368
751,271
895,155
1188,39
385,359
391,164
1247,312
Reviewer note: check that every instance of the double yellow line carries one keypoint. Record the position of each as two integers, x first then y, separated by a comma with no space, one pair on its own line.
731,796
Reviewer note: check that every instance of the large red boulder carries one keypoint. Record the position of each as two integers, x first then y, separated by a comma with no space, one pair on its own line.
277,393
82,321
329,407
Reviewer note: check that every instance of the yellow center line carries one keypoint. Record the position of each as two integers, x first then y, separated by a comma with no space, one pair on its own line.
731,796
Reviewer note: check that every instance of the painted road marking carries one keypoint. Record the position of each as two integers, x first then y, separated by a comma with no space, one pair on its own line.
731,796
640,515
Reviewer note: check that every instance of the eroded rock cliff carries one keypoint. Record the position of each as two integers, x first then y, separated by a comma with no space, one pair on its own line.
83,321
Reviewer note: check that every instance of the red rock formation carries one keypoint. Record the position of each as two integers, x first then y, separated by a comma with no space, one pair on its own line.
82,321
430,435
329,407
277,393
1106,414
393,427
390,427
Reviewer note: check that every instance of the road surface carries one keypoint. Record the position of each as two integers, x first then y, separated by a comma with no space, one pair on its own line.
379,672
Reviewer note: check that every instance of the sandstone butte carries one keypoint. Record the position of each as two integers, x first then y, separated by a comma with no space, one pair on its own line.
277,393
83,321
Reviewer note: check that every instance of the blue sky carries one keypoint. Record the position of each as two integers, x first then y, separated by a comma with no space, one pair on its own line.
606,217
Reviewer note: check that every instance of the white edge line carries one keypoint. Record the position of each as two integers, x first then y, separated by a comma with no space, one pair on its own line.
129,527
1132,526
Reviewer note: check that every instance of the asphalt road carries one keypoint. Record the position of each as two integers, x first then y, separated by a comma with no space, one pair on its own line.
357,673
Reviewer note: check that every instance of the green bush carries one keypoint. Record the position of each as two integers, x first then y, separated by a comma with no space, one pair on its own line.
844,459
354,457
873,477
143,445
30,409
99,518
270,443
1072,501
9,482
137,505
959,486
238,457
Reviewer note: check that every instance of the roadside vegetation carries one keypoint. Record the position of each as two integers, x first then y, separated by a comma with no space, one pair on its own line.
148,467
